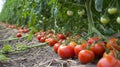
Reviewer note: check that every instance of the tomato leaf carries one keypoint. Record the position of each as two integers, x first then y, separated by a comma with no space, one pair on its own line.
7,48
3,57
98,5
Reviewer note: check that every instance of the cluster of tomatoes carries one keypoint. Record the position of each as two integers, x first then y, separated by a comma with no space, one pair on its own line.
20,30
86,52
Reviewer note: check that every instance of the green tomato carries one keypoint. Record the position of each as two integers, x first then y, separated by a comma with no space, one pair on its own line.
69,13
81,13
112,10
104,20
118,20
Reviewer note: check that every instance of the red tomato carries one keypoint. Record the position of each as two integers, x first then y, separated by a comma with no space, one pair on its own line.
18,35
39,37
51,41
61,36
25,30
85,44
86,56
78,48
93,39
56,46
66,52
108,61
42,39
98,49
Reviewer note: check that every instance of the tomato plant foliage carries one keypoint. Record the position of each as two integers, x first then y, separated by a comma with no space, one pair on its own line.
63,15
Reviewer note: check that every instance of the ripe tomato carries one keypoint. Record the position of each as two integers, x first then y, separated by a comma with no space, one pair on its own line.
51,41
18,35
93,39
72,44
69,13
61,36
78,48
118,20
42,39
39,36
56,46
98,49
108,61
25,30
104,20
112,10
66,52
86,56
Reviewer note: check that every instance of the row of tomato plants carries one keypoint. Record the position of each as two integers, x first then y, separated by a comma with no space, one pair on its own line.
86,50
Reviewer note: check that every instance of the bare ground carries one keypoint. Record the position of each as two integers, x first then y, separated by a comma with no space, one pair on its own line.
34,57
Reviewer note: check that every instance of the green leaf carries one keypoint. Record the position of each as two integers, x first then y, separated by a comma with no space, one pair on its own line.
3,57
98,5
7,48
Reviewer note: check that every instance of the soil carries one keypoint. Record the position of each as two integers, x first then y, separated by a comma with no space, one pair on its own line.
34,57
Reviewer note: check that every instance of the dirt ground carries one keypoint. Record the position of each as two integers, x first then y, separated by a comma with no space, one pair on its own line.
34,57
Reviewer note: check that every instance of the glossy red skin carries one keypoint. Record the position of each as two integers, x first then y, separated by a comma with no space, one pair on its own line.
18,35
56,46
42,39
66,52
108,61
98,49
77,49
51,41
61,36
39,37
86,56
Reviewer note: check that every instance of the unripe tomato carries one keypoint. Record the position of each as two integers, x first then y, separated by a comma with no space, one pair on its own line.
81,13
18,35
112,10
70,13
118,20
104,20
